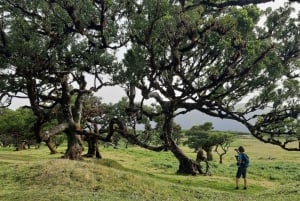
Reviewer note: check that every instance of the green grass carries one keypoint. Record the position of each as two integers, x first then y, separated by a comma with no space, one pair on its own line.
137,174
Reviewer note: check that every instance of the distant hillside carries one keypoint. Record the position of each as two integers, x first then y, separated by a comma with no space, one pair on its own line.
195,118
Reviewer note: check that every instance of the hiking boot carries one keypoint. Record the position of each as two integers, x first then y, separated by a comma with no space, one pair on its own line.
245,187
237,188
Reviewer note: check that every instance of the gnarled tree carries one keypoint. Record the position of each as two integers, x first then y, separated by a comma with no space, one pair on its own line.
212,57
49,52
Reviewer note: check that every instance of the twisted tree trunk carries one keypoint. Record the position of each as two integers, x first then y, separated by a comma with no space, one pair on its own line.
93,150
51,146
75,147
186,165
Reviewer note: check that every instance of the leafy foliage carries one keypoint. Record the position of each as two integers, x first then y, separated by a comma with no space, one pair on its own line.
203,137
16,127
199,137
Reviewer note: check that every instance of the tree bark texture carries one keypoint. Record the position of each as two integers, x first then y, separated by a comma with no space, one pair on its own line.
186,165
51,146
75,147
93,150
209,154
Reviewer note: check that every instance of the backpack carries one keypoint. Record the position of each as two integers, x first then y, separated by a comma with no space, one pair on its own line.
245,160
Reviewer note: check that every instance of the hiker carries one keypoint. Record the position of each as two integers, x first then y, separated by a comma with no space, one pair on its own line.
242,164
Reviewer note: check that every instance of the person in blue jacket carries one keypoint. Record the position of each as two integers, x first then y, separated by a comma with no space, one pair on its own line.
242,164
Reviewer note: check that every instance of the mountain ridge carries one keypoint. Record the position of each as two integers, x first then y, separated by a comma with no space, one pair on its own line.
193,118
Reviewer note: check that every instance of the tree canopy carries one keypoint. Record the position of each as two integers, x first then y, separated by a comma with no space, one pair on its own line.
51,49
213,60
16,127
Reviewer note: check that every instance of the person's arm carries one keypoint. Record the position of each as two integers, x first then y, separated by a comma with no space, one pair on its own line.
237,157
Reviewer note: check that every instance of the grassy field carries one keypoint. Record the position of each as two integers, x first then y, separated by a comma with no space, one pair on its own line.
135,174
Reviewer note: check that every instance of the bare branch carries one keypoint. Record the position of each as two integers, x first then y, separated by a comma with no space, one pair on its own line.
122,130
53,131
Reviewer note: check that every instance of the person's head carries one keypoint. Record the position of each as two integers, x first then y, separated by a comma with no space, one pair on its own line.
241,149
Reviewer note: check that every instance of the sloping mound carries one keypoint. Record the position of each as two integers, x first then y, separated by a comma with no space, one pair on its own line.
73,173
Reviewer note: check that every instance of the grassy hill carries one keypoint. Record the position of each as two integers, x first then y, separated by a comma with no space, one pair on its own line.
135,174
